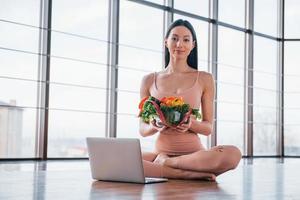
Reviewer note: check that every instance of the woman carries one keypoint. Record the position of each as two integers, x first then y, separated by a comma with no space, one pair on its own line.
179,152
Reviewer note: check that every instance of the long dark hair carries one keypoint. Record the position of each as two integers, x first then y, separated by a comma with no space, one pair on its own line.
192,59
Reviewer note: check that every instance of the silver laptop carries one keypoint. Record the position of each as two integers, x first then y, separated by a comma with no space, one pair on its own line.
117,159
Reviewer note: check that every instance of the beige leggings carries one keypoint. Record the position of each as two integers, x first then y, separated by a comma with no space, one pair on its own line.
151,169
216,160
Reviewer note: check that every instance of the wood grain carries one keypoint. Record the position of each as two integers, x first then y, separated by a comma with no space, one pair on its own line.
263,178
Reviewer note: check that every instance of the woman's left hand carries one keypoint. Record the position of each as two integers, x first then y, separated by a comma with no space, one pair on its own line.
184,127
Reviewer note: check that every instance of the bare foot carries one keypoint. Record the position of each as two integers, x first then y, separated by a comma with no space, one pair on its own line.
170,172
160,158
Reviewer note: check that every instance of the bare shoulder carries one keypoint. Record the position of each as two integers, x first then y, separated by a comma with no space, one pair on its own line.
147,80
145,85
206,78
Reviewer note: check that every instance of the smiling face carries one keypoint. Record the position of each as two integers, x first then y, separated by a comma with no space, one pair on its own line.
180,42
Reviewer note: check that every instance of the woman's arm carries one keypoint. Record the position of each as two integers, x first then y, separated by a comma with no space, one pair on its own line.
205,126
151,128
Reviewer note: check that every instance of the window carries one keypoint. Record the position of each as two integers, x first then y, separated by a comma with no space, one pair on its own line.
230,87
19,27
265,96
266,17
79,71
198,7
232,12
25,12
18,108
78,76
291,99
140,53
292,19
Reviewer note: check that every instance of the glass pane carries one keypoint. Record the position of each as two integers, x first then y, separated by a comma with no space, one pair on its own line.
128,126
225,74
230,115
266,16
292,99
292,58
18,98
14,36
230,133
93,20
83,73
94,24
230,95
78,81
197,7
292,139
27,12
265,115
292,19
17,131
140,59
264,139
291,84
231,47
263,97
230,62
67,132
69,46
144,51
230,124
128,103
18,125
230,112
18,93
132,21
77,98
12,65
135,78
292,117
232,12
264,80
201,29
265,56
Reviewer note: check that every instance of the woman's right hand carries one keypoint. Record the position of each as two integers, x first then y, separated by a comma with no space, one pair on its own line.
157,125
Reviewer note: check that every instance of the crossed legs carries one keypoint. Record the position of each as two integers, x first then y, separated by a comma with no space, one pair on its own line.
216,160
154,169
203,164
